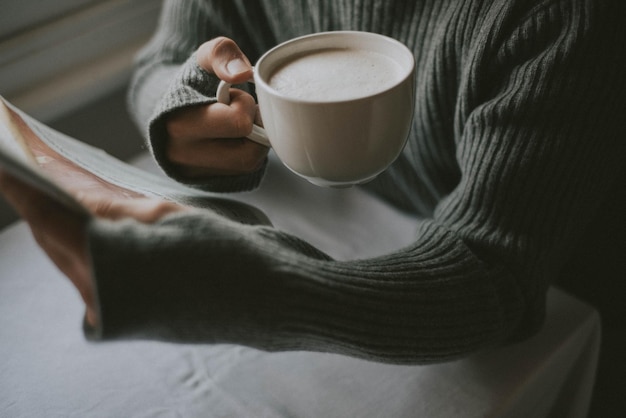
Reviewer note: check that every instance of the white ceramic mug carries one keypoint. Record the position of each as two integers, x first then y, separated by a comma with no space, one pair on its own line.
335,141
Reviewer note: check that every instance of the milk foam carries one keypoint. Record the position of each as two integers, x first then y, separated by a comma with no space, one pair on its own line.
336,74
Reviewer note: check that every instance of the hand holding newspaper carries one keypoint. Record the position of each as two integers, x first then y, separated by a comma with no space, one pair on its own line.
23,155
64,168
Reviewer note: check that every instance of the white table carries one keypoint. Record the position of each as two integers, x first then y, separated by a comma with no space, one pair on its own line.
48,369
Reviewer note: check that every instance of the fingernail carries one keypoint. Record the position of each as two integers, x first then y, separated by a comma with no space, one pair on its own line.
237,66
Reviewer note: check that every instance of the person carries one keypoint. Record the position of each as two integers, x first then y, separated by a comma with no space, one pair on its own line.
516,144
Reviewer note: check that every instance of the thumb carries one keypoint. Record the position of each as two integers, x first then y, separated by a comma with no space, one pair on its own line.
223,57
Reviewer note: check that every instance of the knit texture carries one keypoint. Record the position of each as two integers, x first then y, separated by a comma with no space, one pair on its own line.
517,138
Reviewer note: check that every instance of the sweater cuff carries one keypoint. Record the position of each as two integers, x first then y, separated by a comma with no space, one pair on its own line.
159,283
193,86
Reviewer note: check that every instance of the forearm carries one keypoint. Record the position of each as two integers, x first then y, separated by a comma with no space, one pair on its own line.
198,278
170,79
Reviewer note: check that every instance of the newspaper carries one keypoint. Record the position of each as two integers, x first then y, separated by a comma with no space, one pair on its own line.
64,167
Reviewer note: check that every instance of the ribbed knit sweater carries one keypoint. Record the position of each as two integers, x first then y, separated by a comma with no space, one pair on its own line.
518,137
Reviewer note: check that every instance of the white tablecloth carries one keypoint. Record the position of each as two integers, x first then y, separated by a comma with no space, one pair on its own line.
47,369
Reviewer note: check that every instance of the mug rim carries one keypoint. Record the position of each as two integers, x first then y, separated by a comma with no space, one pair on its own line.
408,70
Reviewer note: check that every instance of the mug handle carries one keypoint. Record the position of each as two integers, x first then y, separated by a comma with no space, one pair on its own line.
258,134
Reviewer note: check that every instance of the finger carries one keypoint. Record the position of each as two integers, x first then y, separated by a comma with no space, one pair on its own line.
31,204
146,210
258,119
208,140
91,316
56,229
46,217
223,57
70,255
224,157
216,120
10,187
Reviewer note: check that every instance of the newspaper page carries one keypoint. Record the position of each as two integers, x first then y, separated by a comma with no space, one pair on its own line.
62,167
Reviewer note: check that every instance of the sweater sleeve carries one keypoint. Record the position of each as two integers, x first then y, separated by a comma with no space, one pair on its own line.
200,278
539,139
167,78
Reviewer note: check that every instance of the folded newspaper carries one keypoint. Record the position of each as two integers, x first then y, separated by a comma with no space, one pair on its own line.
63,167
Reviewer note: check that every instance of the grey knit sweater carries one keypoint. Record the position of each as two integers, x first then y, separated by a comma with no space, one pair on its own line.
517,137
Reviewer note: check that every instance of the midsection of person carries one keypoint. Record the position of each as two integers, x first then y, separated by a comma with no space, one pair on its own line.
424,27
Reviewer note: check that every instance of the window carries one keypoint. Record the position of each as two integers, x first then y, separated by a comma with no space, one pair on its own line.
58,55
19,15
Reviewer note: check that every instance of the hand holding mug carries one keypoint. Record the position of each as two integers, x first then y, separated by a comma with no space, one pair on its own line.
210,140
337,106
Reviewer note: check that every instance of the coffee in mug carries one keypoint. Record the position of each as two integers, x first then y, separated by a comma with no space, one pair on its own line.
336,106
336,74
